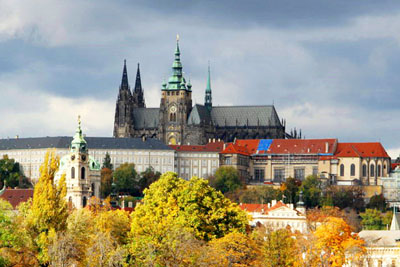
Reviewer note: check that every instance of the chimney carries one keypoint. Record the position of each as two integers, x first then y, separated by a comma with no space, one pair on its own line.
144,138
326,147
269,205
209,140
17,136
213,140
273,202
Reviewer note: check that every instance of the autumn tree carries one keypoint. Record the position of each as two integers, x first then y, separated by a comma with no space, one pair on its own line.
336,244
377,202
126,179
193,205
226,179
346,197
48,214
106,175
372,219
148,177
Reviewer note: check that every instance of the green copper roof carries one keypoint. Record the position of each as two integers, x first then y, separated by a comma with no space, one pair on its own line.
78,143
176,81
208,88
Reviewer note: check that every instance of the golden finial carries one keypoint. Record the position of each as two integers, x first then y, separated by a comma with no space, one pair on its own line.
177,37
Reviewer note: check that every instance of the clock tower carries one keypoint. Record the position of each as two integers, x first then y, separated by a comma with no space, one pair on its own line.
176,104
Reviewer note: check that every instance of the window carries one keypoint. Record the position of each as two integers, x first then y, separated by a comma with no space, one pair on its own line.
84,202
378,169
372,169
299,173
259,175
364,170
352,170
72,173
228,160
315,171
341,170
83,170
93,189
279,175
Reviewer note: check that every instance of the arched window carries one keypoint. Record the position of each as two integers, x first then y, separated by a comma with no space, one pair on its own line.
372,169
84,202
73,172
341,170
93,188
378,170
364,170
83,171
352,170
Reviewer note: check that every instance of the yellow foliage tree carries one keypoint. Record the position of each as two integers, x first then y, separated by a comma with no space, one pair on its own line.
335,244
49,210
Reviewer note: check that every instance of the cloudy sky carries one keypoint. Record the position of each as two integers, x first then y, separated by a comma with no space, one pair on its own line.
330,67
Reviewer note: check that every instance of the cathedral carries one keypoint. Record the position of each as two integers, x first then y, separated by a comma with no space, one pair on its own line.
178,121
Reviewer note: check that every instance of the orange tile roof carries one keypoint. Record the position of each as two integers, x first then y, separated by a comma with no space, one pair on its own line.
17,196
361,150
301,146
261,207
250,144
210,147
394,165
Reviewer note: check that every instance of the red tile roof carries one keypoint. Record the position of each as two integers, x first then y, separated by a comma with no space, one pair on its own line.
361,150
261,208
232,148
301,146
251,145
17,196
210,147
394,165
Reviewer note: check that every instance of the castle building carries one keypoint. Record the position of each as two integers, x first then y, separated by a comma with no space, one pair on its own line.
178,122
81,171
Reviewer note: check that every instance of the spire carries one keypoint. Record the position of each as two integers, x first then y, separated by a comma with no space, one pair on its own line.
124,82
78,143
138,83
395,225
208,97
176,81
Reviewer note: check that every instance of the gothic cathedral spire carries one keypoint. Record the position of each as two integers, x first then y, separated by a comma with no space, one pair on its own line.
208,97
138,97
124,81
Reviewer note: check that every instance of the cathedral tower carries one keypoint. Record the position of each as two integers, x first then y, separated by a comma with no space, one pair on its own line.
176,103
208,98
123,122
137,94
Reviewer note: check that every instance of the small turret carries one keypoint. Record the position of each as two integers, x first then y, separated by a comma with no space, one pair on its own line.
79,144
208,97
300,204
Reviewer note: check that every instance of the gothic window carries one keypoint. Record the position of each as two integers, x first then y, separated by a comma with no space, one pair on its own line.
83,171
372,169
364,170
378,170
72,173
352,170
93,188
84,202
341,170
172,116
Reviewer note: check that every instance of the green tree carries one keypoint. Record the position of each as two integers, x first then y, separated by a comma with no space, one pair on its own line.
126,179
290,190
172,202
107,162
106,175
311,188
11,173
148,177
226,179
377,202
258,194
346,197
372,220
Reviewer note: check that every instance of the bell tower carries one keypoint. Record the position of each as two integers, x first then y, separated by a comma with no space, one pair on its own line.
176,103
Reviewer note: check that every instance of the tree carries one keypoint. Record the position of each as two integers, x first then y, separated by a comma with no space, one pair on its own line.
280,248
259,194
311,188
11,173
377,202
148,177
290,189
238,249
126,179
106,175
192,205
226,179
107,162
346,197
336,244
372,220
49,212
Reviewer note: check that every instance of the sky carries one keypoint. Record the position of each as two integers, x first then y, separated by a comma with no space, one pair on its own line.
329,67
